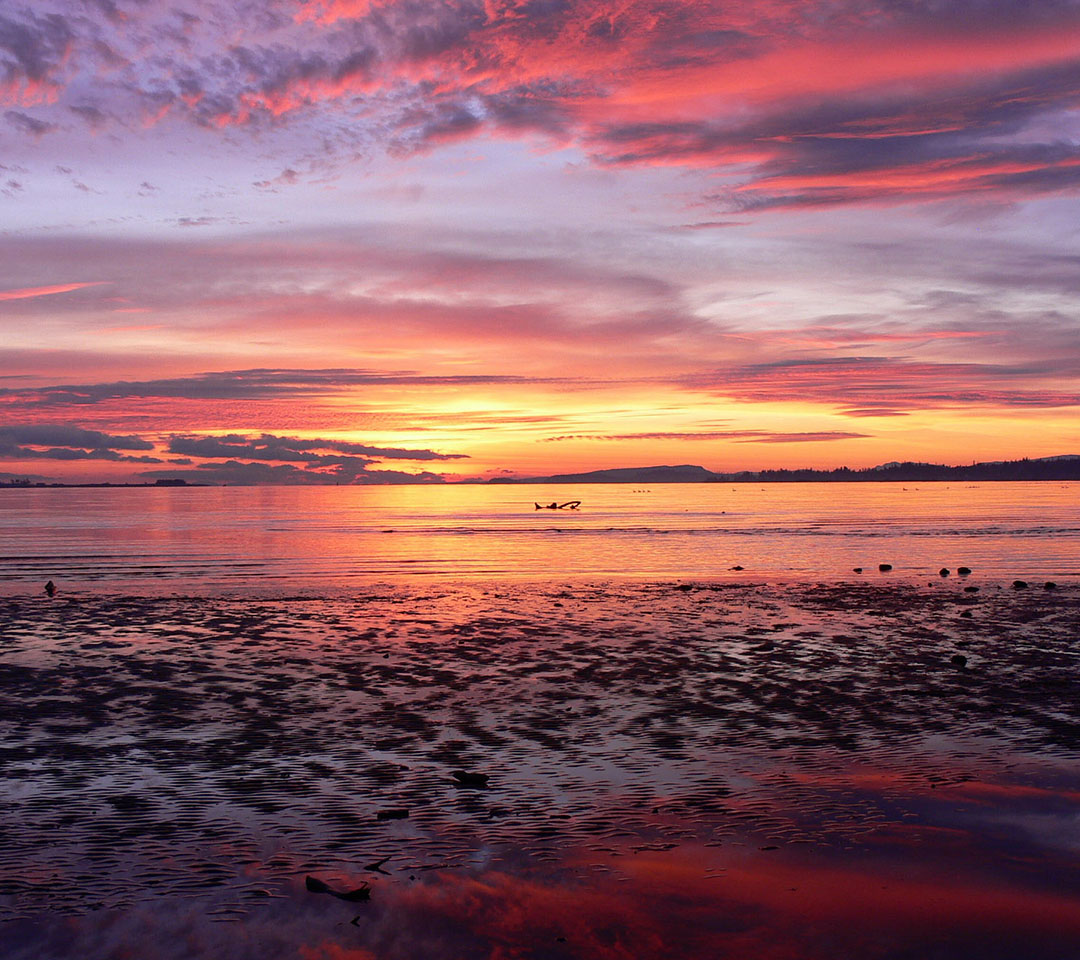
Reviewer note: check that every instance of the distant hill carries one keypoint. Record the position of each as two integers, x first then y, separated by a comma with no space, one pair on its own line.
1066,467
685,473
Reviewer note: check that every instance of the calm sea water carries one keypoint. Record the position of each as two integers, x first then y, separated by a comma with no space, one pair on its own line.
328,539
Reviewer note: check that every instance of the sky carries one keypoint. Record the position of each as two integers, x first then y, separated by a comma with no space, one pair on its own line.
364,241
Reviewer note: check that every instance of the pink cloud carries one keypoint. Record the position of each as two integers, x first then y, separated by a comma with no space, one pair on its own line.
806,105
27,293
893,385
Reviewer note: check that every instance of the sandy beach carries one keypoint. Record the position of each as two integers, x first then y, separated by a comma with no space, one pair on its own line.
746,770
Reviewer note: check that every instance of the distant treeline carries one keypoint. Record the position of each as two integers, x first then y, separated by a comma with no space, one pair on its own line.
1047,468
1057,468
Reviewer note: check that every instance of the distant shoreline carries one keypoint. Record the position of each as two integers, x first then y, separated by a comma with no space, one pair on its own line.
1047,468
1060,468
6,485
538,482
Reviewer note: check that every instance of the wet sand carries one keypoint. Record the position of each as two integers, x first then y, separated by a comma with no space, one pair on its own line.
728,770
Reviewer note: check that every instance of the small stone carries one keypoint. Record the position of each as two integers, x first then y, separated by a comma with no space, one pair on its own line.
971,589
1019,584
958,660
966,614
857,570
736,567
944,571
963,571
129,803
397,813
1049,585
884,567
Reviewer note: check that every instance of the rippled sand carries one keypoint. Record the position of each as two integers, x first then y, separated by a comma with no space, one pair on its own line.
712,770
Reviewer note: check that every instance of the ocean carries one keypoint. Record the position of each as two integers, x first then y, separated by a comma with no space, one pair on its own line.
436,723
326,540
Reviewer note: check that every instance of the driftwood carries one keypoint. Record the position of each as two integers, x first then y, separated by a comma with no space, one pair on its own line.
569,505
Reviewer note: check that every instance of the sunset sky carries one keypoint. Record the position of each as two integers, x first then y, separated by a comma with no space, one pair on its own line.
356,241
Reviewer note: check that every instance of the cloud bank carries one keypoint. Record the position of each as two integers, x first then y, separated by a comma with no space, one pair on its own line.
803,106
232,458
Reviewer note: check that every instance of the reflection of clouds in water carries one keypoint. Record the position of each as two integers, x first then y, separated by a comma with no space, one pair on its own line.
777,906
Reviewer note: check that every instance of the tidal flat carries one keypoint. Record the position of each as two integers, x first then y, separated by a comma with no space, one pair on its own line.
842,770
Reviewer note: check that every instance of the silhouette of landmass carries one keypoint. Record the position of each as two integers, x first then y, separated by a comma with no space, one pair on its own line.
1045,468
681,474
20,483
